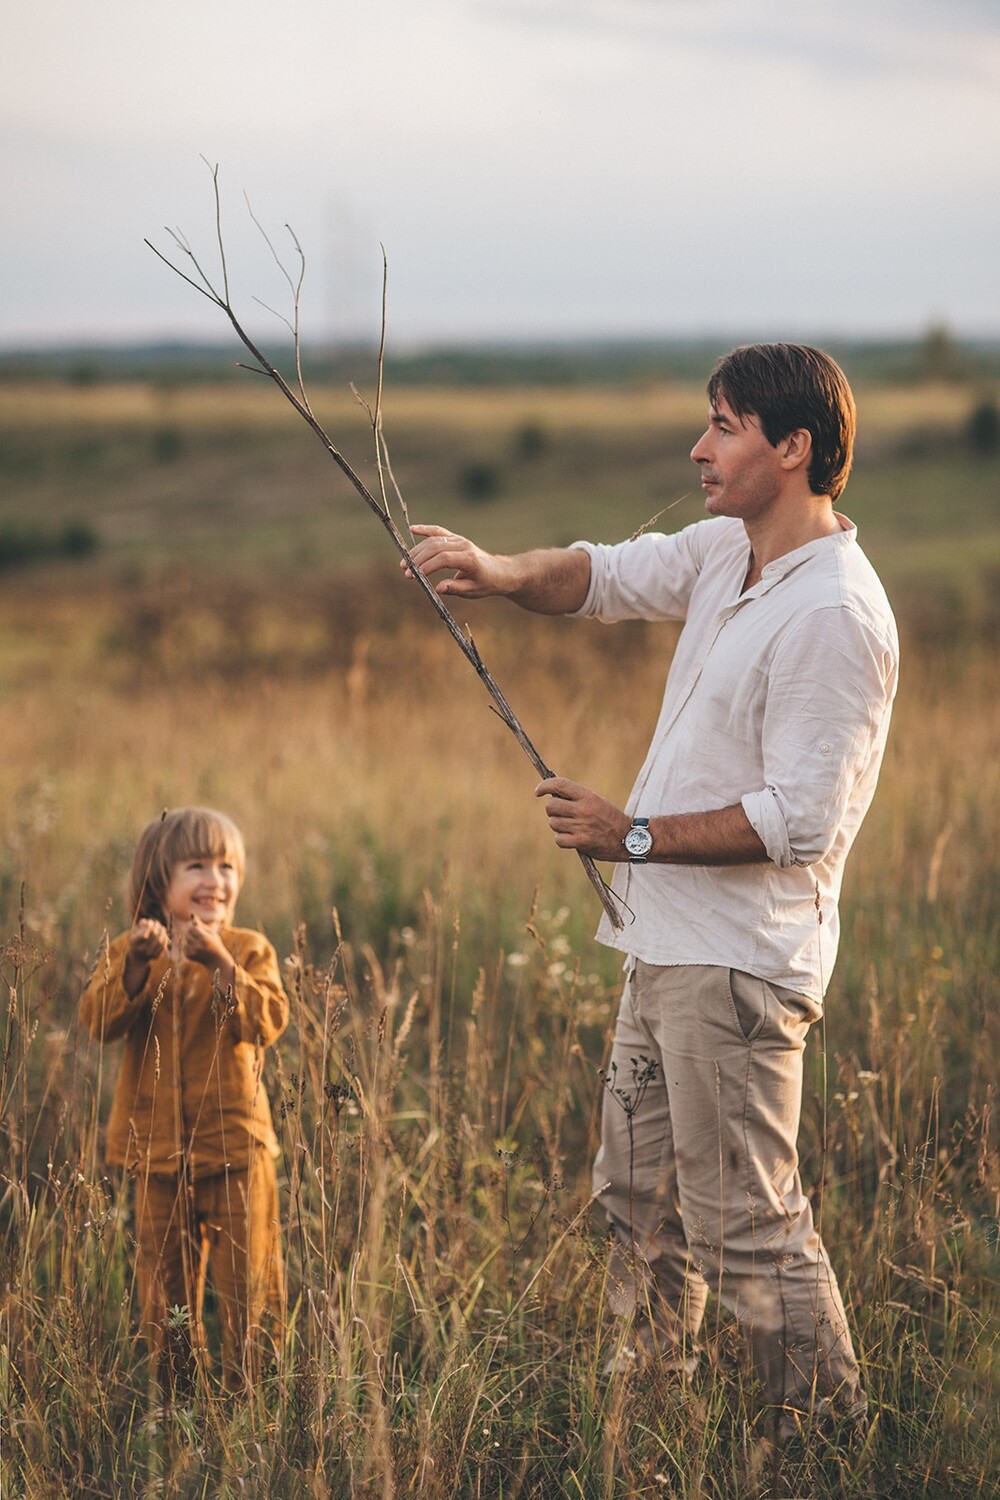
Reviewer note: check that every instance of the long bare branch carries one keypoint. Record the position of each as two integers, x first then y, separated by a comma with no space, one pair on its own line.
299,401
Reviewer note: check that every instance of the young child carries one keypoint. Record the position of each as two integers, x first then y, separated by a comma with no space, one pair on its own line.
196,1000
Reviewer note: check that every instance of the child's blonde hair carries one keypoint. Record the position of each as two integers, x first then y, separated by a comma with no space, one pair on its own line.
181,834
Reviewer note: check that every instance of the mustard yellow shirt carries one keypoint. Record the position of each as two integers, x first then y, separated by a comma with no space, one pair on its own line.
190,1089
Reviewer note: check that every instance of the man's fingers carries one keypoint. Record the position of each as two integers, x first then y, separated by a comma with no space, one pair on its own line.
557,810
437,540
475,574
559,786
436,558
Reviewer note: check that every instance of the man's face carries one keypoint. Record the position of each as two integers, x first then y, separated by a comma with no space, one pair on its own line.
741,473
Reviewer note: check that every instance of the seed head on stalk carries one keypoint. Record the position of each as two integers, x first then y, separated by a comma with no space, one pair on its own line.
196,277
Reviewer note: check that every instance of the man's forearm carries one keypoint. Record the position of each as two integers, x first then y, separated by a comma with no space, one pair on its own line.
582,819
551,580
723,837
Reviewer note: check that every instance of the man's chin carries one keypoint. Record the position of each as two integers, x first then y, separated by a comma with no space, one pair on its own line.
717,505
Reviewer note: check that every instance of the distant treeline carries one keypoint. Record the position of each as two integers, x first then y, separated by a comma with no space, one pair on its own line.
24,543
936,355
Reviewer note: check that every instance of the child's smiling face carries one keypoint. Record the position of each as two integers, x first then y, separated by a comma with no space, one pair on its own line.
203,886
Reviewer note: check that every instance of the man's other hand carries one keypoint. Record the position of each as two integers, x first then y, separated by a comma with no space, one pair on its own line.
582,820
475,574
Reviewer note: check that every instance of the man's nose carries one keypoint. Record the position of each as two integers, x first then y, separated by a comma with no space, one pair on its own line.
698,452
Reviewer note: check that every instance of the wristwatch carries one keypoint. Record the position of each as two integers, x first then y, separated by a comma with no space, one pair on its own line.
638,841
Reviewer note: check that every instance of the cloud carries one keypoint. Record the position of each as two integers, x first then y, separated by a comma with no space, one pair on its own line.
553,166
960,39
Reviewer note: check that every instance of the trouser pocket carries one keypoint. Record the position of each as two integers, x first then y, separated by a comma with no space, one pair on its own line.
748,999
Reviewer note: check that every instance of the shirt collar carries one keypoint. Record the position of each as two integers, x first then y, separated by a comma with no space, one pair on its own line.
783,565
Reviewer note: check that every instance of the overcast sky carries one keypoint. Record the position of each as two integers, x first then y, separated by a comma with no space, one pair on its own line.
772,168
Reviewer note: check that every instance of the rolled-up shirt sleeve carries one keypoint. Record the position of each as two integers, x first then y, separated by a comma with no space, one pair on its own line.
831,681
650,578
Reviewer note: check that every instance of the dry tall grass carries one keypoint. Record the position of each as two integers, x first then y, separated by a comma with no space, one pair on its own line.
438,1089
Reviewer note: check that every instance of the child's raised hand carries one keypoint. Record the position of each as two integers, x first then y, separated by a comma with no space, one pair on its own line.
203,945
148,939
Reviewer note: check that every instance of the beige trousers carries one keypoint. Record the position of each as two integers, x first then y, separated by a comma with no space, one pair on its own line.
698,1173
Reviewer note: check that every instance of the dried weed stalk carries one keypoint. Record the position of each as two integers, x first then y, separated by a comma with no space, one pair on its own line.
378,505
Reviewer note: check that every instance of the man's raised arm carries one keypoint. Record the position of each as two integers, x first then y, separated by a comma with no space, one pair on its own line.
550,581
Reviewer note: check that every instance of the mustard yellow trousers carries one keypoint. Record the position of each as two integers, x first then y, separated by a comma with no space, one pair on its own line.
223,1229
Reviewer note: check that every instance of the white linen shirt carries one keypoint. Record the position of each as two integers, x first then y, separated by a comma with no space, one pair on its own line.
779,699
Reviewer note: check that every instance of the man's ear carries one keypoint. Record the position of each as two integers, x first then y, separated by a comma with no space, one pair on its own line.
796,448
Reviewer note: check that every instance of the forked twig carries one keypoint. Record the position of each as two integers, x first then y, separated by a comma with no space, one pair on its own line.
201,283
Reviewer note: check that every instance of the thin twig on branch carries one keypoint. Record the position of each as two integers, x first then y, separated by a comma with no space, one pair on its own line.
299,400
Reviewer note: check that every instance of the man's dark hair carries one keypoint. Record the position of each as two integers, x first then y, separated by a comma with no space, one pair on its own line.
788,386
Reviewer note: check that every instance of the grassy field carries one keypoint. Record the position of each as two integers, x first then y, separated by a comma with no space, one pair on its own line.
183,477
239,637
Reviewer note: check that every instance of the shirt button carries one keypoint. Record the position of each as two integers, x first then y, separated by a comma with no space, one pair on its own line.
824,748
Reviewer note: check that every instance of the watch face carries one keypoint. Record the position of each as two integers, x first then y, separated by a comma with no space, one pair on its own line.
638,841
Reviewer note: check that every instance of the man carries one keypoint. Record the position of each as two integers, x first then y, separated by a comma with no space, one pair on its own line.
729,855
